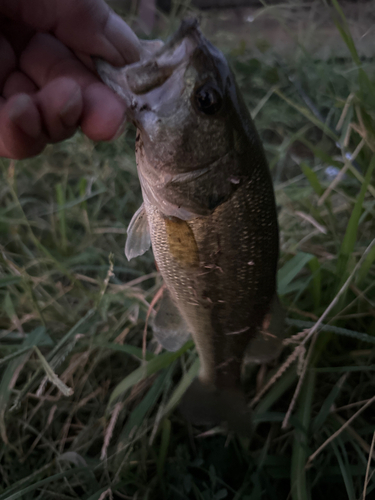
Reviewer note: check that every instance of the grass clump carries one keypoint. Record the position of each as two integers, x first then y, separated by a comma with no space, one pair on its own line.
87,412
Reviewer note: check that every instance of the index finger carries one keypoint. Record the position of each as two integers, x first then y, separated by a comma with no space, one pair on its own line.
87,26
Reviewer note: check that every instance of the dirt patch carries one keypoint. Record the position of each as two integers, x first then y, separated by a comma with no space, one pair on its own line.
289,28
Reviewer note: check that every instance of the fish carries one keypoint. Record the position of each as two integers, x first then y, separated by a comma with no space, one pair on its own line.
208,212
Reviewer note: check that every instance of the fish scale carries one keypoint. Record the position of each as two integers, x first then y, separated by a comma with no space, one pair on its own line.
209,213
231,286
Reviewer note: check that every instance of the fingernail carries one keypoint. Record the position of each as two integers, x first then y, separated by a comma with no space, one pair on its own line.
20,115
72,109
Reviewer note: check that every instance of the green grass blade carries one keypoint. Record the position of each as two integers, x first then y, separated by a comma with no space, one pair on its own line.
350,237
145,406
345,467
51,375
316,283
51,354
342,26
363,337
312,178
299,483
307,114
183,385
290,270
8,358
60,195
326,407
128,349
9,280
366,266
345,369
13,367
366,86
150,367
275,393
23,491
165,440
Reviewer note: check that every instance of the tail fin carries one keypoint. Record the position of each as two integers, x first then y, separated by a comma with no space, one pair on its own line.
206,405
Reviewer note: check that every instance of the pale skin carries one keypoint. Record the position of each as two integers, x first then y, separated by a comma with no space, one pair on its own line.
48,85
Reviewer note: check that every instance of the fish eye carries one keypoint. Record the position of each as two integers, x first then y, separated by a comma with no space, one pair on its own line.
208,100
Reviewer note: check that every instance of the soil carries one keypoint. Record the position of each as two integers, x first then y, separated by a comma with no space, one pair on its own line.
288,27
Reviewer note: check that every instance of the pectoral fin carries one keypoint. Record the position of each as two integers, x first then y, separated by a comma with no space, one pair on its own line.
267,345
138,240
170,329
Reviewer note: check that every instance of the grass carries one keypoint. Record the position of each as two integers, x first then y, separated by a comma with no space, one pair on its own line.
86,413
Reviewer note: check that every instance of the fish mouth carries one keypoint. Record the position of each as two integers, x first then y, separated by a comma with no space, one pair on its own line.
136,82
166,60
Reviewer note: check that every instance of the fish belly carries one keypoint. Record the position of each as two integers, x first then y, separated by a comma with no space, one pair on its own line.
220,271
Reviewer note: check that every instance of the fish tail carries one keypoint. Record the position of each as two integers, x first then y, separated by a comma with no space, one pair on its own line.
205,405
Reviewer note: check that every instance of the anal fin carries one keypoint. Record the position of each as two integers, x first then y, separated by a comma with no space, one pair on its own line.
138,240
169,328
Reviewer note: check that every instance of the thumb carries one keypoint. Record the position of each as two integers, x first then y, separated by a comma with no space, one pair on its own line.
86,26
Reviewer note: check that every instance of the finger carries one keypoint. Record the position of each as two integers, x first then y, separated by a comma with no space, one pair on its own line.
21,133
18,83
46,59
11,80
60,103
18,34
89,26
101,32
104,113
7,58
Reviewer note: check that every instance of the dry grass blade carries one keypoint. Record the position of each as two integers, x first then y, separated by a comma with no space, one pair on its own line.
315,330
341,174
362,443
339,431
312,221
290,359
110,428
52,377
107,493
371,456
345,110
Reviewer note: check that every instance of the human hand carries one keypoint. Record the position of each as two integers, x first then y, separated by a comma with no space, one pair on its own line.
47,82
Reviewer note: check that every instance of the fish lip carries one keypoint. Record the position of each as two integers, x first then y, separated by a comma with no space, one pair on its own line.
160,65
136,80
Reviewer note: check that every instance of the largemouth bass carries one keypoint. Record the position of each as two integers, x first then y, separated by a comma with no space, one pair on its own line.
209,213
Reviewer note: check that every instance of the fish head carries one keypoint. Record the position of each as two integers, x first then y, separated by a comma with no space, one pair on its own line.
193,124
180,97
